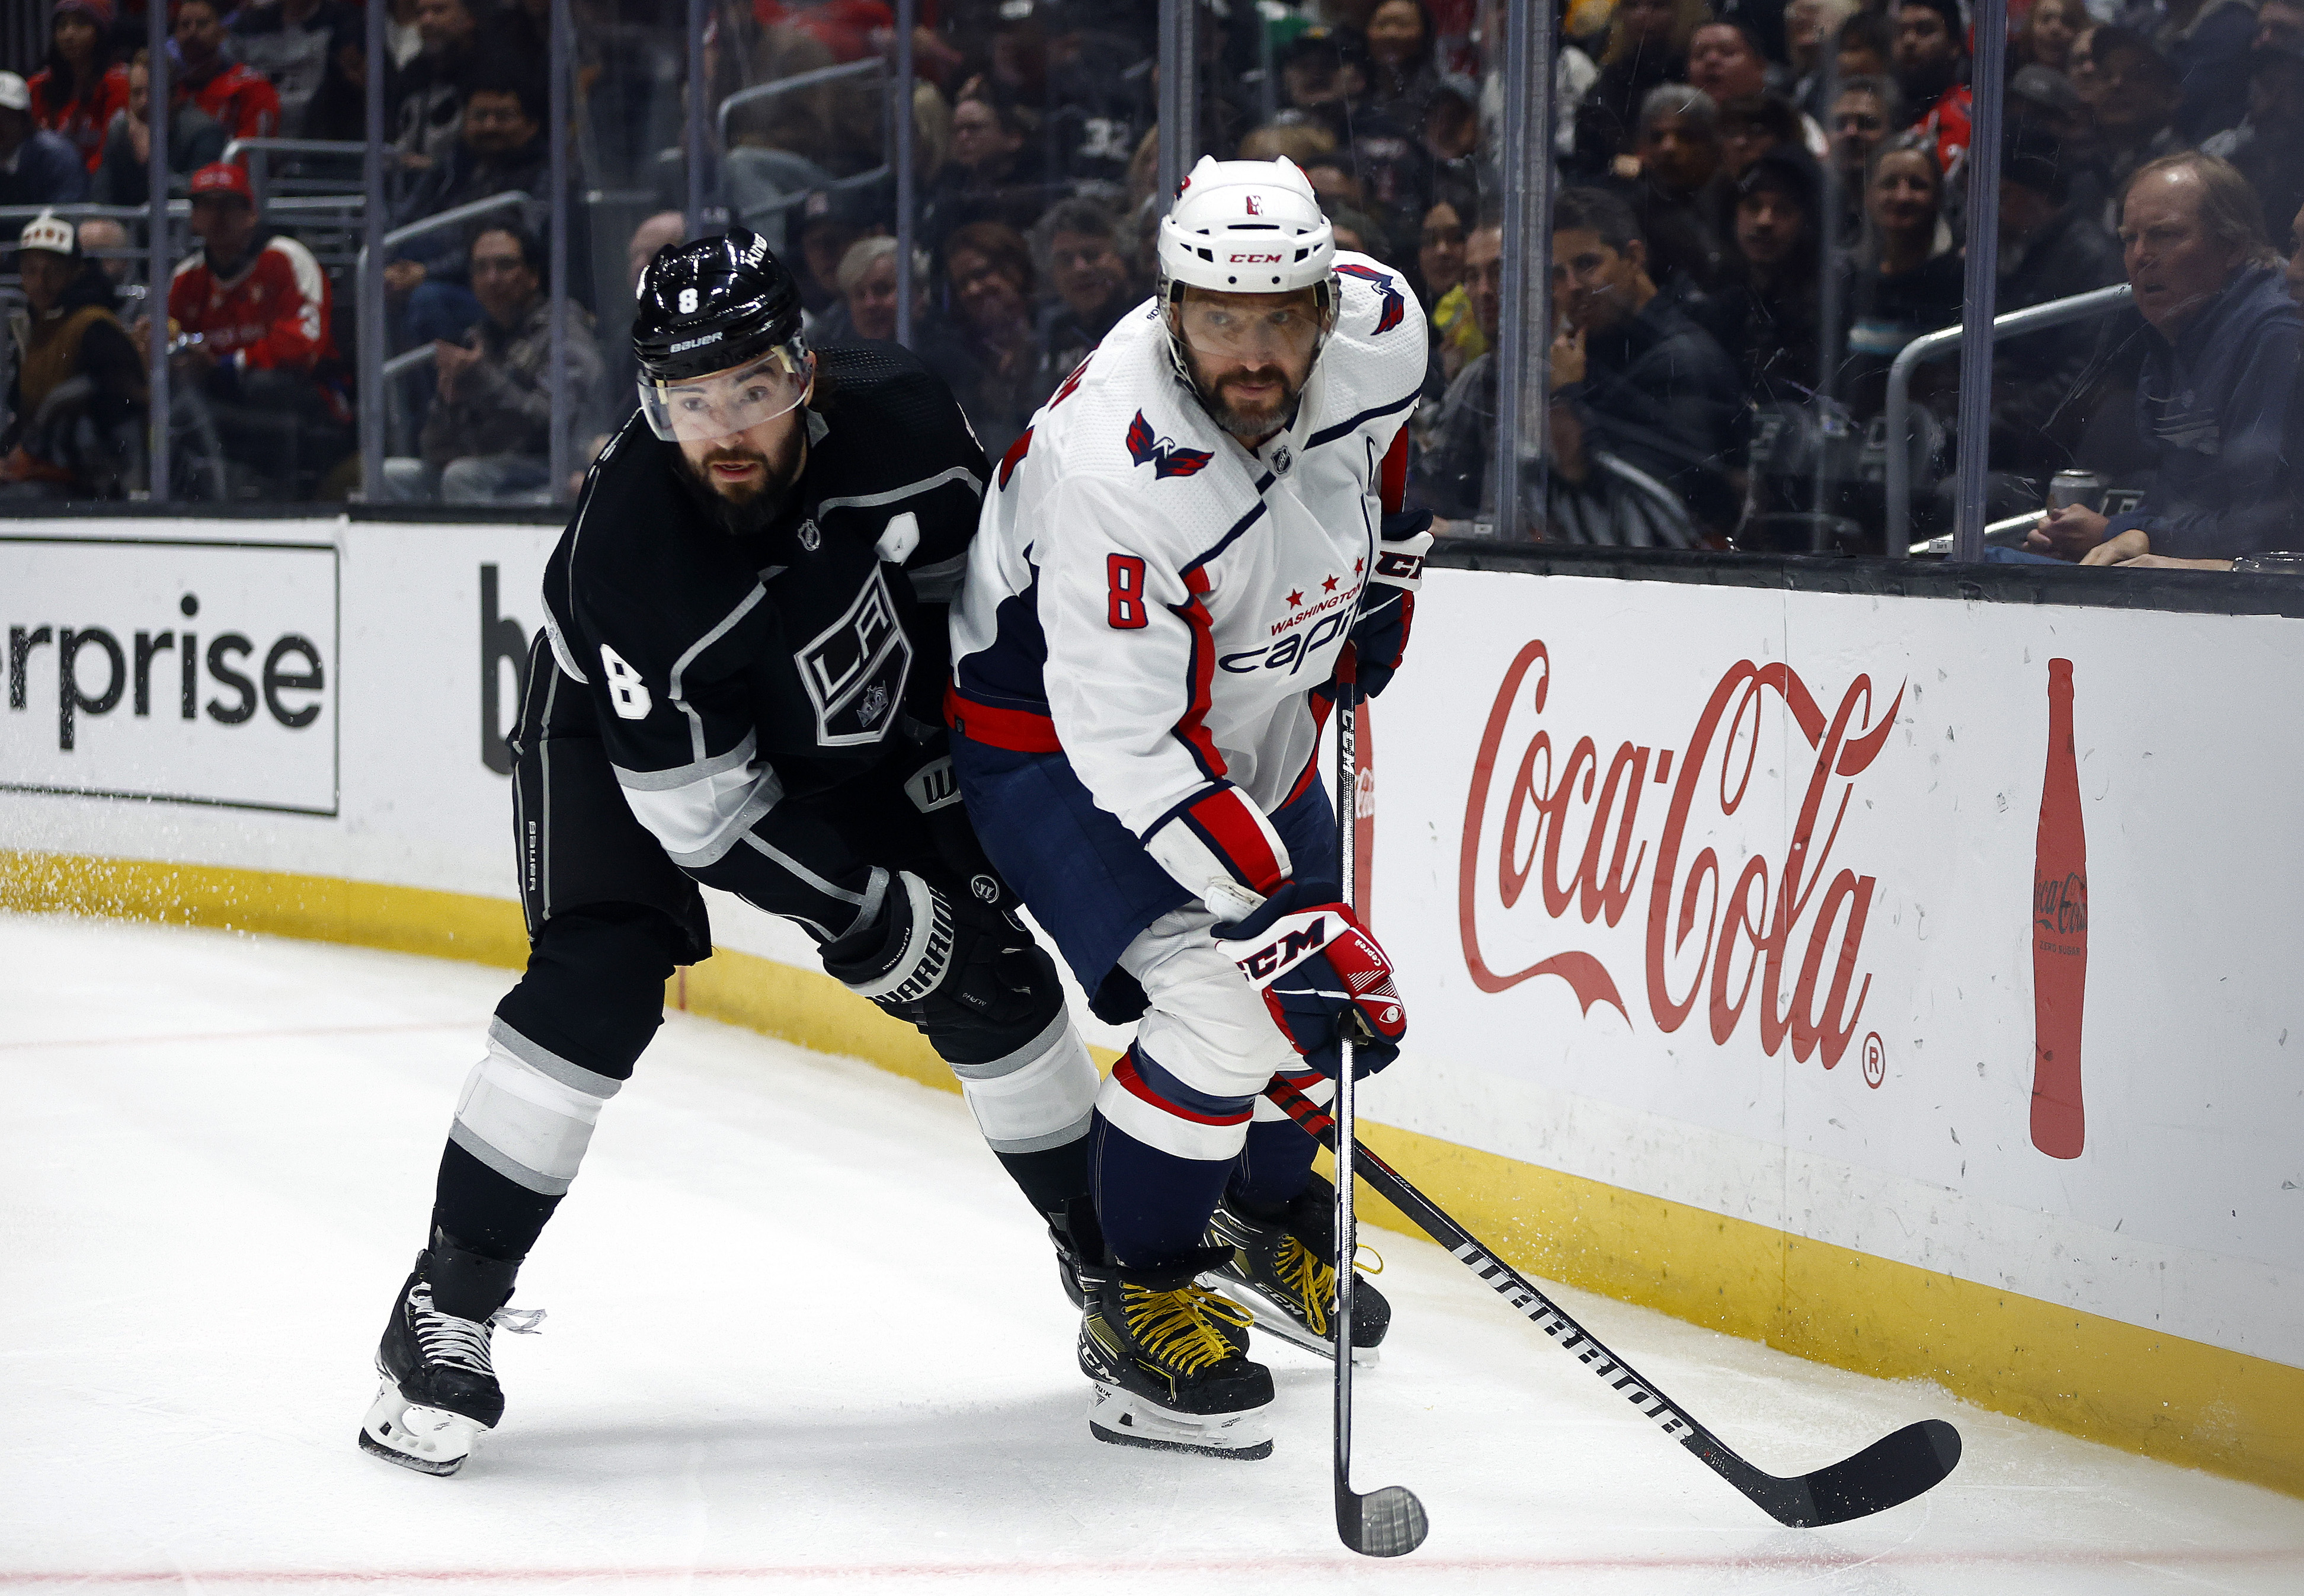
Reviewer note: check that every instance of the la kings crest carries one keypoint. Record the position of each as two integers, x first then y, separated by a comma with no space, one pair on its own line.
855,669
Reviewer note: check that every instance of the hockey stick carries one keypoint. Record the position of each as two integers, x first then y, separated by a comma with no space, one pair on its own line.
1891,1470
1388,1522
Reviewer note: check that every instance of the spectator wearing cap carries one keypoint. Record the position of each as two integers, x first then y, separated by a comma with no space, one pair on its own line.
1771,319
2267,147
1094,287
1646,47
78,389
77,92
1864,114
2050,249
1682,204
37,167
289,42
500,148
249,308
1905,279
1403,69
1324,73
424,99
240,98
1640,393
2138,92
487,436
2206,42
124,175
829,224
982,346
1752,126
2215,403
1932,70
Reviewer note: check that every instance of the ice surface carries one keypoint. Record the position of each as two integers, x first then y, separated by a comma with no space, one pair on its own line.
803,1335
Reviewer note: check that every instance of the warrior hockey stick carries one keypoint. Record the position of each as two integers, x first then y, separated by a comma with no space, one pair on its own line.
1891,1470
1388,1522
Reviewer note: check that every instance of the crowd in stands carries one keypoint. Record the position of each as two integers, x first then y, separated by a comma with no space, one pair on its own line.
1758,207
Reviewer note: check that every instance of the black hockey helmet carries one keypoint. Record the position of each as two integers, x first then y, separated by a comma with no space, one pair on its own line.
712,304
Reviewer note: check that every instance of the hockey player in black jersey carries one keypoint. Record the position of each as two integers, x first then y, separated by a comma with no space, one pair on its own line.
738,683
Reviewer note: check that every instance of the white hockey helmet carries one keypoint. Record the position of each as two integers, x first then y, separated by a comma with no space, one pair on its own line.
1245,227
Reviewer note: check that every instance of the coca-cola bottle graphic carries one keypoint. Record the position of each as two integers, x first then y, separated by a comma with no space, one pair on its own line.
2059,935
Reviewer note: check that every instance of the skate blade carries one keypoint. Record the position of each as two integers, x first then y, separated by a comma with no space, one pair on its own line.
424,1438
1275,1320
1126,1419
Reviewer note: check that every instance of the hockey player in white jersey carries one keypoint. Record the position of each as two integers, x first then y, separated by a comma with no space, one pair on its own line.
1172,562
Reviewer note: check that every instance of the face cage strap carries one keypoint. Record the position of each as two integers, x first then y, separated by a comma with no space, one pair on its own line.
1330,301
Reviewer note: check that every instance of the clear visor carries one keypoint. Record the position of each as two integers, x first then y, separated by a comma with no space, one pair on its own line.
1251,329
700,410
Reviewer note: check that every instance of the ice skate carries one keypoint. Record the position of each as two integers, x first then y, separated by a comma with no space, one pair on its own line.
1167,1359
440,1390
1280,1270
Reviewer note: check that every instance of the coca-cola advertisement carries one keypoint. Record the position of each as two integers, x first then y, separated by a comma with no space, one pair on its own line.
1792,907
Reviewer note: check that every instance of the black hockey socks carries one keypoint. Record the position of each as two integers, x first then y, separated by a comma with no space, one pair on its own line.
1274,1167
492,1216
467,1283
1051,1178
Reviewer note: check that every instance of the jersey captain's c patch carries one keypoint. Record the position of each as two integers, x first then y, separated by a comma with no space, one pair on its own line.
1165,457
855,669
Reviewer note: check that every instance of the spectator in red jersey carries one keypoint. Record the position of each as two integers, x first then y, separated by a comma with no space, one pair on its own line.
124,175
76,93
249,311
1932,70
240,98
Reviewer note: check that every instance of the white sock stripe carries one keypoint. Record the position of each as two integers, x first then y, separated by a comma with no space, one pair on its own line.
591,1082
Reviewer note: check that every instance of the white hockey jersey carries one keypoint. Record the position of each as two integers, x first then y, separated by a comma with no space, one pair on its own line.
1156,601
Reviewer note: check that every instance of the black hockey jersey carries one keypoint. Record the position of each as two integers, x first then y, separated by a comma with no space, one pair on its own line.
747,686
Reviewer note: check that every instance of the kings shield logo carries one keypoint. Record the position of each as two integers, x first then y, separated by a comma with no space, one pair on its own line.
856,667
1165,458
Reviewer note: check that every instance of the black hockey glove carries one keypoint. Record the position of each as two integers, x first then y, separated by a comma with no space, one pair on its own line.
1323,977
934,791
1379,635
969,977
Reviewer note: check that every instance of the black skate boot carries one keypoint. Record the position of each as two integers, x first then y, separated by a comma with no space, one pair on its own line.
440,1387
1167,1359
1279,1267
1080,1250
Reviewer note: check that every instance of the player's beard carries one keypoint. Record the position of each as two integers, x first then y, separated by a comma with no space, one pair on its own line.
1244,422
756,507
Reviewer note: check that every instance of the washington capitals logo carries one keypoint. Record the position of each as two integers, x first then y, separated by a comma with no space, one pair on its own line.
1165,458
1390,316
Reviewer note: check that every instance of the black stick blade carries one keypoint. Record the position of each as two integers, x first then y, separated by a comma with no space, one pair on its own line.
1385,1523
1887,1473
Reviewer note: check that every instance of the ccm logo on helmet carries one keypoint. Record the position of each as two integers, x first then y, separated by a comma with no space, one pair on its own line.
1255,259
1289,948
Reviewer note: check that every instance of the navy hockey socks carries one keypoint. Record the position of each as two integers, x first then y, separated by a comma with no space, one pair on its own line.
1153,1205
1272,1168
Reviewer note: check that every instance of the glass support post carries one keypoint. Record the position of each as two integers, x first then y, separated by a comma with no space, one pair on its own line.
1179,99
161,269
368,281
556,451
698,111
907,178
1523,353
1983,162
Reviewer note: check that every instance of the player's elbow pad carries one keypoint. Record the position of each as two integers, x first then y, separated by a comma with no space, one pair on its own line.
1222,848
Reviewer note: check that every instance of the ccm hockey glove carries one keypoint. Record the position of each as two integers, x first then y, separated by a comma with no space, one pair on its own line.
1322,976
1379,635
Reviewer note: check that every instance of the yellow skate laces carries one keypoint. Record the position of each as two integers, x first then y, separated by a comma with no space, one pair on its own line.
1311,1279
1174,1326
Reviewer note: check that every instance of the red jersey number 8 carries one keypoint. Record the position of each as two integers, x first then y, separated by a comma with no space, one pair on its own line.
1124,572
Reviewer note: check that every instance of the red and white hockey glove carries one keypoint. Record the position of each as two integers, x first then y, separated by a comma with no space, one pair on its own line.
1378,639
1321,974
